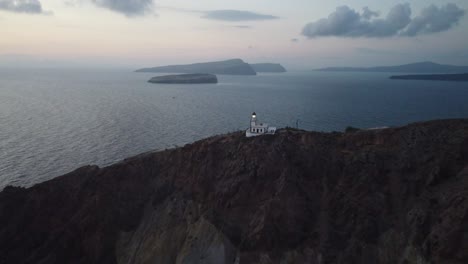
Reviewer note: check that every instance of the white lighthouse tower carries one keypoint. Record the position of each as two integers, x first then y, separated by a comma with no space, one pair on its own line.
253,121
258,129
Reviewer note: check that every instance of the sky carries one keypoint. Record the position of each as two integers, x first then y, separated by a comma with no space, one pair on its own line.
300,34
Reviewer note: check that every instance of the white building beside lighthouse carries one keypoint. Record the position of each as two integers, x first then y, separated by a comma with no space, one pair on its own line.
258,129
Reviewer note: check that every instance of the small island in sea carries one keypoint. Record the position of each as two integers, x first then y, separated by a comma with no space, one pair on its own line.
461,77
195,78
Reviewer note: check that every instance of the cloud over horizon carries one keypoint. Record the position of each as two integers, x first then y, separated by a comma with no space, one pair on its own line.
346,22
236,15
23,6
130,8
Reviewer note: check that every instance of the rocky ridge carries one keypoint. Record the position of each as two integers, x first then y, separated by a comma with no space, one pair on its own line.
396,195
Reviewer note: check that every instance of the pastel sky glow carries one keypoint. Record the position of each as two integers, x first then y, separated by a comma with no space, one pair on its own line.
299,33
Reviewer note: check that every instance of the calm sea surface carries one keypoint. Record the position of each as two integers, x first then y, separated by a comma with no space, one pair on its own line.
53,121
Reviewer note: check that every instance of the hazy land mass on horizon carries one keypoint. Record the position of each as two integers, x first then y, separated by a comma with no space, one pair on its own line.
419,67
462,77
226,67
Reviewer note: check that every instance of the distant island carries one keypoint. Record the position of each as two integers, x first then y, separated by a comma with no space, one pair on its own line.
226,67
229,67
420,67
268,67
462,77
194,78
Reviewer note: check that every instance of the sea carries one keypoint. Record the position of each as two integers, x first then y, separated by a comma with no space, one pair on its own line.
53,121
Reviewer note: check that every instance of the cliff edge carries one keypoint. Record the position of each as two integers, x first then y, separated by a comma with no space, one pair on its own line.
397,195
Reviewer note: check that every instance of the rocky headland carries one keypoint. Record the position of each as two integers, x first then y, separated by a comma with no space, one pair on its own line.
196,78
396,195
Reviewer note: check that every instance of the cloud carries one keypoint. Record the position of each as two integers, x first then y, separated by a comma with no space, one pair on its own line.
23,6
368,14
236,15
130,8
434,19
294,40
346,22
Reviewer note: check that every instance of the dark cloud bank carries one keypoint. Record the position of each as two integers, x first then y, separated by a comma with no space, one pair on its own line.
23,6
236,15
346,22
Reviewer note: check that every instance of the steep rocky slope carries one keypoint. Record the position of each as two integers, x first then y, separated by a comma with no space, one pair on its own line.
397,195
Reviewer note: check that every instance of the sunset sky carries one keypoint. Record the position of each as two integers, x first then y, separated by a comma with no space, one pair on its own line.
298,33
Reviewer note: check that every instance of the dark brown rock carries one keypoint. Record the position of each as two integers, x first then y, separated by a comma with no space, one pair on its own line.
397,195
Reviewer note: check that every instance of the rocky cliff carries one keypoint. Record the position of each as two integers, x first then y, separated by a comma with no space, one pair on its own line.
397,195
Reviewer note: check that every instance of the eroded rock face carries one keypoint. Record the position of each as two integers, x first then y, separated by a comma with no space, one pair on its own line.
397,195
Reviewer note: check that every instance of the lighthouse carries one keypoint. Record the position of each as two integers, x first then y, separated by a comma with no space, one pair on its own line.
253,121
258,129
